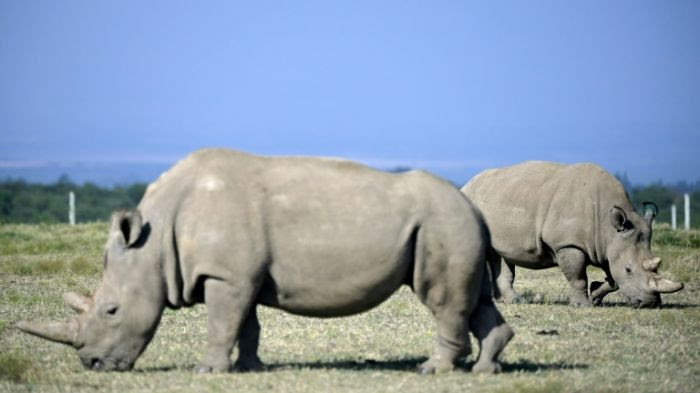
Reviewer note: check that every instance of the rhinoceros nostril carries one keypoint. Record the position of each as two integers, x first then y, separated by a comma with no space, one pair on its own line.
96,364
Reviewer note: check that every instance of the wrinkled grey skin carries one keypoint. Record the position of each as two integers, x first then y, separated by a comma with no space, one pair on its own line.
543,214
314,237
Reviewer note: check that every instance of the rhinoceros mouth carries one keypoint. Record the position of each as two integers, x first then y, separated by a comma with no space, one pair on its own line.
651,304
106,364
644,303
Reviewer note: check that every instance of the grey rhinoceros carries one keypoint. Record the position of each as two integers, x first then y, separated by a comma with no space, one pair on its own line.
543,214
315,237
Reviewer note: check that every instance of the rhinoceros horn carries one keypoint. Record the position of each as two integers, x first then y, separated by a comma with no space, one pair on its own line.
663,285
60,332
652,264
77,302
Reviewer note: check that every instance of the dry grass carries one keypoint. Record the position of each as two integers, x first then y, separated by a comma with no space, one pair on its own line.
557,348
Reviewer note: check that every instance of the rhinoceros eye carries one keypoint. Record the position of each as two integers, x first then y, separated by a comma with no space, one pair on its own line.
109,310
628,269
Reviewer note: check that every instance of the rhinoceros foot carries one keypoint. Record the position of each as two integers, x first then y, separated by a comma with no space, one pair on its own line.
581,302
249,364
514,299
205,368
436,366
506,295
486,367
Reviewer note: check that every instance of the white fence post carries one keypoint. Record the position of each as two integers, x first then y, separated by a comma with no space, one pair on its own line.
673,217
687,210
71,208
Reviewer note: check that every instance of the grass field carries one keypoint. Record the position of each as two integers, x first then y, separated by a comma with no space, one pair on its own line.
557,348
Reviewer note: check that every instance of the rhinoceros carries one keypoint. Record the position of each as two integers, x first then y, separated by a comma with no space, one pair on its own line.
311,236
543,214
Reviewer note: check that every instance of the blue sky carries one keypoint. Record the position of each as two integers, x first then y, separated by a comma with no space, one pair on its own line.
450,86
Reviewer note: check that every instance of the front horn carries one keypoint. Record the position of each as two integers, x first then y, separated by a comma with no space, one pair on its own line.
60,332
663,285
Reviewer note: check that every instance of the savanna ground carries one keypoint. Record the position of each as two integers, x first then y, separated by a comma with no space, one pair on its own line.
556,348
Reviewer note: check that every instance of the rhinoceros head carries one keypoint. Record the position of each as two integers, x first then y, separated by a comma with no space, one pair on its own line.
116,324
632,264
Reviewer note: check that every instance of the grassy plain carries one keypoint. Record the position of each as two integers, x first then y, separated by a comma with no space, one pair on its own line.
557,348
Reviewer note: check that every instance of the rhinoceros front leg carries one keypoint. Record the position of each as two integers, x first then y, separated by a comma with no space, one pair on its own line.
601,288
572,262
503,274
248,342
227,307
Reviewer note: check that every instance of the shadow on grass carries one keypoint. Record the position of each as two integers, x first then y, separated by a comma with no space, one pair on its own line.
530,297
531,367
565,303
408,365
663,305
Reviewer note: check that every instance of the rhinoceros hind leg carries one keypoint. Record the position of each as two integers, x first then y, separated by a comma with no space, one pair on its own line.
572,262
451,305
248,342
490,329
503,274
227,307
444,357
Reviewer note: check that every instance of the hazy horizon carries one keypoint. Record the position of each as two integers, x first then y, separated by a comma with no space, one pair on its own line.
110,174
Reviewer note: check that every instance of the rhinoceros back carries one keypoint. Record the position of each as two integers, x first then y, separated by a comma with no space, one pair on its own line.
535,208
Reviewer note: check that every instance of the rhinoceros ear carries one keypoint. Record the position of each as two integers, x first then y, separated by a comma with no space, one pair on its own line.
126,226
618,219
650,211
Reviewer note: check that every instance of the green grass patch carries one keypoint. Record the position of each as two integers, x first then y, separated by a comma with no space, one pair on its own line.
663,235
686,267
82,266
10,236
50,249
16,298
15,367
548,385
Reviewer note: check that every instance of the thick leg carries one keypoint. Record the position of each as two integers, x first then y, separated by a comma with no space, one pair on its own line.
490,329
503,274
452,343
572,262
450,291
600,289
450,265
248,342
227,307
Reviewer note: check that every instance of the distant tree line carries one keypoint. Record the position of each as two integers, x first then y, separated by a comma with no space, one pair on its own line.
22,202
665,195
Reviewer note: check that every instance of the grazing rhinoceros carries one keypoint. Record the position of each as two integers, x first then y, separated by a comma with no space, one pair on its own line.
314,237
542,214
